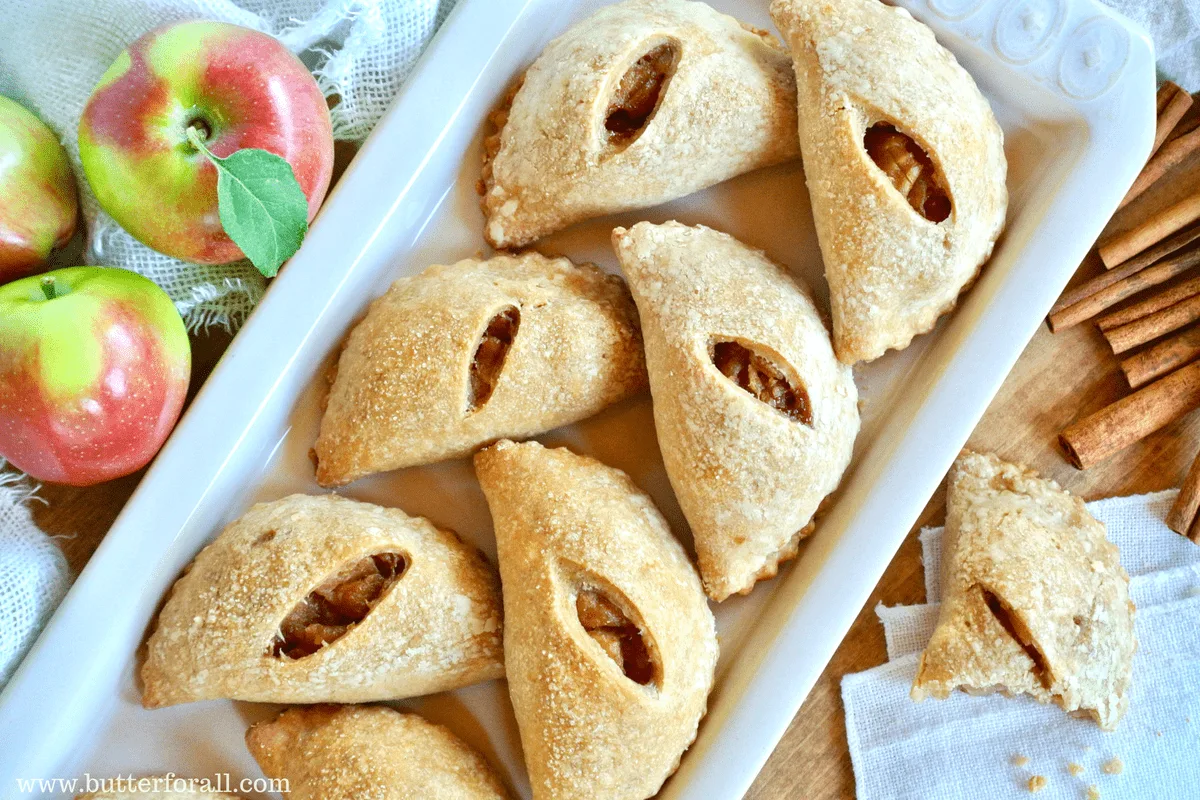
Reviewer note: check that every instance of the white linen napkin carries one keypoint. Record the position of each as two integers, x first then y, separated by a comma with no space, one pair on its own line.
993,746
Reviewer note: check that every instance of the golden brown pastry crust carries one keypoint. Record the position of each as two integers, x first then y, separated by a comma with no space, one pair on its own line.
165,794
727,107
369,753
401,396
748,477
437,628
891,271
1036,600
566,523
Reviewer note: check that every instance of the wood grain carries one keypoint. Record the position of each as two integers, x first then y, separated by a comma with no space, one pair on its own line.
1059,379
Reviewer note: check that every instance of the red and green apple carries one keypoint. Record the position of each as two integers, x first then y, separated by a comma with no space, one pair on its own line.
94,368
38,205
238,88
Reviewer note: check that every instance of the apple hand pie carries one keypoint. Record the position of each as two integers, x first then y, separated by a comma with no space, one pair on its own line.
369,753
611,647
324,599
643,102
905,168
1036,601
756,418
465,354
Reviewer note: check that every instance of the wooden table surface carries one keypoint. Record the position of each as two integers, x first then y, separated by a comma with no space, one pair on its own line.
1058,379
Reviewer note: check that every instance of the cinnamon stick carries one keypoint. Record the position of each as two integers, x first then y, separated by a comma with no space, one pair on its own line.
1157,301
1152,326
1120,247
1131,419
1167,355
1163,95
1172,154
1139,262
1182,516
1126,287
1173,103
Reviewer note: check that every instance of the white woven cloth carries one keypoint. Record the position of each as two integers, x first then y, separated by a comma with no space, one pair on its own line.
976,746
52,52
33,573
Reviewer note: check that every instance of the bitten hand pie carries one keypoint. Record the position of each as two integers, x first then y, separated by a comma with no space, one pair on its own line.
643,102
905,168
464,354
324,599
1036,600
369,753
756,418
611,647
170,788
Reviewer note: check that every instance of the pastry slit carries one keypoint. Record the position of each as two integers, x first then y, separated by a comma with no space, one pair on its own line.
619,638
757,374
640,93
1020,633
339,603
490,354
910,170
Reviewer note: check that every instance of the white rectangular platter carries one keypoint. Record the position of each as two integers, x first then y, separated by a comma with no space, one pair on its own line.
1073,87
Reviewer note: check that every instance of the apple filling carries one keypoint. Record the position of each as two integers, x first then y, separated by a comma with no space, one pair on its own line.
332,609
910,169
756,374
1018,631
618,637
490,354
638,93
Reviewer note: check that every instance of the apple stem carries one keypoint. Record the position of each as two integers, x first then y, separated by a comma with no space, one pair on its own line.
196,137
48,288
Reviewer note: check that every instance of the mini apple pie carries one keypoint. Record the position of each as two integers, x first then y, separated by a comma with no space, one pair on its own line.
1036,601
643,102
756,418
324,599
464,354
905,168
369,753
161,787
611,647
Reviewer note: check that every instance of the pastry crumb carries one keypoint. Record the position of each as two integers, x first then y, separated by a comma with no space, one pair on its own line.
1075,768
1019,761
1093,792
1113,766
1037,783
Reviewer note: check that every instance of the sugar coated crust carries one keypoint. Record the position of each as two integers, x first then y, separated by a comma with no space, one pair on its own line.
565,523
370,753
400,397
728,106
437,628
748,478
891,271
1036,600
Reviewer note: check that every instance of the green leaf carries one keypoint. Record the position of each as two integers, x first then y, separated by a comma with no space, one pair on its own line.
260,203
